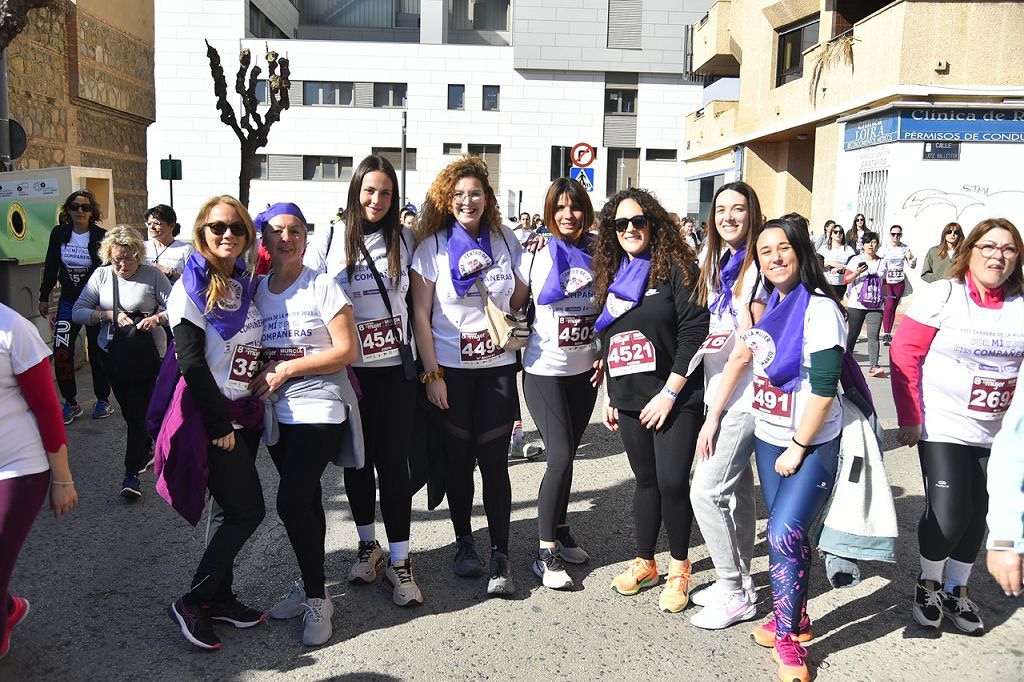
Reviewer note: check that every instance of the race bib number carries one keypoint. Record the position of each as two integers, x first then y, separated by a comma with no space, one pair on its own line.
894,275
379,339
990,397
477,348
630,353
282,354
576,332
772,405
714,343
78,275
244,363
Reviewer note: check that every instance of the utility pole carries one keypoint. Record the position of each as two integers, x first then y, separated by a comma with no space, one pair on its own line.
5,115
405,115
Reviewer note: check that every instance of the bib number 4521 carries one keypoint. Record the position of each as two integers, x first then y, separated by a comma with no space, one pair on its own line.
630,353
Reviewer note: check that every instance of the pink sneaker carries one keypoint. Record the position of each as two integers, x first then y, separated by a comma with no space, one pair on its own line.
19,609
765,634
792,660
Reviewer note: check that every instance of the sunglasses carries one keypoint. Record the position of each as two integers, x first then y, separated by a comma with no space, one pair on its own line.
81,207
638,221
896,234
837,231
956,232
219,228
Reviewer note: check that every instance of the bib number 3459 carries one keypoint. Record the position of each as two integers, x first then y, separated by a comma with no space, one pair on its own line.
630,353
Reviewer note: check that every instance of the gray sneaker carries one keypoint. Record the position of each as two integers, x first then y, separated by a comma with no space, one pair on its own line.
291,606
501,583
467,562
568,549
404,590
317,628
370,562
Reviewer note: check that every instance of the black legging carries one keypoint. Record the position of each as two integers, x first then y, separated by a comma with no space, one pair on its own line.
234,484
856,318
561,407
388,398
956,500
478,425
301,455
661,462
133,397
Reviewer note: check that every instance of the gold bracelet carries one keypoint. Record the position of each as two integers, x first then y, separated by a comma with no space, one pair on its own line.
62,482
431,377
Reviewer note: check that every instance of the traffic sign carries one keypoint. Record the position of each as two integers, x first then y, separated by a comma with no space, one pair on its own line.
584,176
170,169
583,155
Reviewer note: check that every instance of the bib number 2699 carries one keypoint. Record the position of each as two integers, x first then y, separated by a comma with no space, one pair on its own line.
991,396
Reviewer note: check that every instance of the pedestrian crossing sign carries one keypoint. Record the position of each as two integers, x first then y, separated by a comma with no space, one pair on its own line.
584,176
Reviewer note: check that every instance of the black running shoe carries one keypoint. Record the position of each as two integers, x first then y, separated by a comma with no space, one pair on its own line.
236,613
131,488
928,603
961,611
467,562
194,622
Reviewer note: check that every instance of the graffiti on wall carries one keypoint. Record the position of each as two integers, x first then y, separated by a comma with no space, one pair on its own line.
967,205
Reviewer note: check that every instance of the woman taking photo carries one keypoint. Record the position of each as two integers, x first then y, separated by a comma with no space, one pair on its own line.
559,362
71,257
369,225
897,256
836,254
650,327
142,293
218,334
855,237
864,299
464,251
308,340
722,493
163,251
797,350
956,359
941,256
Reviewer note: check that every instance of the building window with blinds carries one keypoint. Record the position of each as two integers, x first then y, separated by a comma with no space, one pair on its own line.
456,97
326,93
491,154
389,95
327,168
625,23
394,155
793,41
491,97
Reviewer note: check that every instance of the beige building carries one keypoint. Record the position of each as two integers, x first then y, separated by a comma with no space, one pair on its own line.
80,81
911,112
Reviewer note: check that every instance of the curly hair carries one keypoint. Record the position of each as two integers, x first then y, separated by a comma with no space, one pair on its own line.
962,264
666,245
218,288
437,207
124,236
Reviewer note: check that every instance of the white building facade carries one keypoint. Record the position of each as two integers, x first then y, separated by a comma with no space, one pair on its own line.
518,82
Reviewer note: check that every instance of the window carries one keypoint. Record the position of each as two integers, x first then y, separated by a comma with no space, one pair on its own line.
451,148
325,93
478,15
699,193
456,96
492,93
394,155
561,162
620,101
623,169
260,26
260,167
326,167
661,154
625,24
389,94
491,154
872,189
262,95
792,43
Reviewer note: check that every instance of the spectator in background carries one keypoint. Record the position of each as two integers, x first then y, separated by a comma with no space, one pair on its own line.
941,256
824,237
163,251
408,217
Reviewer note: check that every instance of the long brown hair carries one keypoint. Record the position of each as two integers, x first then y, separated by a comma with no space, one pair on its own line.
355,218
1015,282
943,246
437,208
218,287
710,271
579,197
667,245
95,215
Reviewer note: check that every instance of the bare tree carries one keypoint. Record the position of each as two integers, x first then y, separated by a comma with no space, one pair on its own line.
14,18
253,128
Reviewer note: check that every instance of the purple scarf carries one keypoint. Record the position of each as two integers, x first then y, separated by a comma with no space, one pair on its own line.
626,289
777,340
195,280
570,270
467,257
729,272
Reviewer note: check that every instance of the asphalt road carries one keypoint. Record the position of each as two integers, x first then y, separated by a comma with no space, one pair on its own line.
100,579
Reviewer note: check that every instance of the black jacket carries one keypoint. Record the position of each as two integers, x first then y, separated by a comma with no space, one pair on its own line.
54,270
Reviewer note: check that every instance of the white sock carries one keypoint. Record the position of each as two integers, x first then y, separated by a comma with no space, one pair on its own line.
932,570
367,533
399,551
957,574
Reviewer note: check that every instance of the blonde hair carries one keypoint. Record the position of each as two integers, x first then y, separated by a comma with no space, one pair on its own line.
219,276
125,236
437,208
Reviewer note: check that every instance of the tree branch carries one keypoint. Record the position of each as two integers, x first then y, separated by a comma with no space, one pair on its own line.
220,89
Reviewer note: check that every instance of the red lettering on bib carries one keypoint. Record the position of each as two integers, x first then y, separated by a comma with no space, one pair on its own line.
630,353
477,348
991,396
576,332
379,339
244,362
773,405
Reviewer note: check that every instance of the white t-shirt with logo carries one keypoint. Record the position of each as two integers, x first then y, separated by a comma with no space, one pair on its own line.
461,339
562,340
835,254
777,415
971,370
296,320
379,340
75,256
895,259
172,256
21,446
875,267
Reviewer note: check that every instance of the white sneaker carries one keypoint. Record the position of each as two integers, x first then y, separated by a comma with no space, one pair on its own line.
551,572
533,450
291,606
369,563
317,627
404,590
718,591
733,608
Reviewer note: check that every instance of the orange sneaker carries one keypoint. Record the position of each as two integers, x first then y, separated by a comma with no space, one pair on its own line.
676,594
640,574
792,660
765,634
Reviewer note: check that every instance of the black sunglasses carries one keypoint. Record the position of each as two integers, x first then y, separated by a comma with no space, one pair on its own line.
896,234
839,231
638,221
80,207
956,232
219,228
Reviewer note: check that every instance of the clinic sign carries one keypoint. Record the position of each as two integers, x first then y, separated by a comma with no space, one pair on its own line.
932,124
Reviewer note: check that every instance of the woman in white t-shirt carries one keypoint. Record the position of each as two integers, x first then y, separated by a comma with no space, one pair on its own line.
560,358
836,254
855,236
796,349
163,251
370,223
463,250
956,362
308,333
722,492
864,276
897,256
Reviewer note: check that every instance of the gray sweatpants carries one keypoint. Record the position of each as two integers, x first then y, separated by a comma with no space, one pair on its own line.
722,495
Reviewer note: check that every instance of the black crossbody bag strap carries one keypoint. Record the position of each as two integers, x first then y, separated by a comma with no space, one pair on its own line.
405,350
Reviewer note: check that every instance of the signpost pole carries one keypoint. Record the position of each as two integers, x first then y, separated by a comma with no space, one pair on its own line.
170,177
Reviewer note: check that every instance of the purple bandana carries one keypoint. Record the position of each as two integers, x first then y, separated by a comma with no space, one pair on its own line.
263,219
570,270
626,289
729,272
467,257
777,340
228,320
